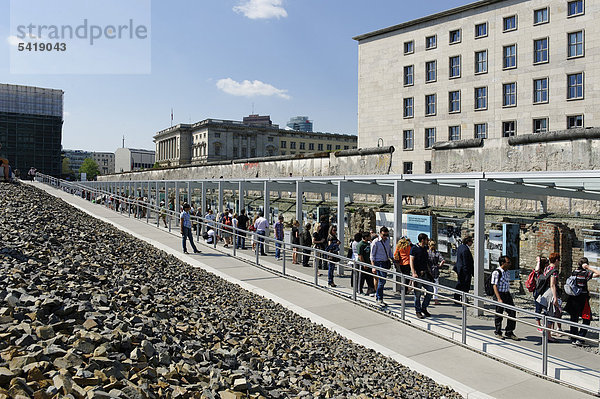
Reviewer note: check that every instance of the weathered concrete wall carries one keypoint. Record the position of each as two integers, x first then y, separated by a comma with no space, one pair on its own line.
376,164
497,155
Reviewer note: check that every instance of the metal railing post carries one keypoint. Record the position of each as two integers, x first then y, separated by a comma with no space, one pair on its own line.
316,267
257,244
234,239
283,255
354,280
169,215
403,297
148,212
545,346
464,319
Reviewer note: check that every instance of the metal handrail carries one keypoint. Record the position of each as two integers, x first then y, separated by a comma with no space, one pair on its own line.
355,266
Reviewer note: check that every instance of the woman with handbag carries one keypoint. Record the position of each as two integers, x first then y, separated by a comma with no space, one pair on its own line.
579,306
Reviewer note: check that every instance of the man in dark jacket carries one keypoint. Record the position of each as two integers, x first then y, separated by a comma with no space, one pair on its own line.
306,241
464,267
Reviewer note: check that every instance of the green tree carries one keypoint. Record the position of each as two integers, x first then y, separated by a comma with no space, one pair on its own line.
66,167
90,168
156,165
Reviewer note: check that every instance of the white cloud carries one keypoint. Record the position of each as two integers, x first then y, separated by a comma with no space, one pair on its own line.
13,40
250,89
261,9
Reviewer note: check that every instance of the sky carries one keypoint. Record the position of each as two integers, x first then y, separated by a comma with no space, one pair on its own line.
221,59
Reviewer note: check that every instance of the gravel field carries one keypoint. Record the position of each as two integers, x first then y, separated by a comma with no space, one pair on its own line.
87,311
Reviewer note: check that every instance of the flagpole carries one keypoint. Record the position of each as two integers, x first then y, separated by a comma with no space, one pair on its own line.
171,117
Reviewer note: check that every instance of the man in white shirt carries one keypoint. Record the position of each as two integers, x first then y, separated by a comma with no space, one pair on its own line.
186,228
261,225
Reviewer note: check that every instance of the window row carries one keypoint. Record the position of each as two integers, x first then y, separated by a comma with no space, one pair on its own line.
480,131
509,96
575,49
509,24
408,167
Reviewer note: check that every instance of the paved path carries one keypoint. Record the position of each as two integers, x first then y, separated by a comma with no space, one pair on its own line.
472,374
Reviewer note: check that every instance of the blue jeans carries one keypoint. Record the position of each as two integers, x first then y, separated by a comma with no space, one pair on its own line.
187,233
382,276
277,250
418,305
330,271
241,240
260,244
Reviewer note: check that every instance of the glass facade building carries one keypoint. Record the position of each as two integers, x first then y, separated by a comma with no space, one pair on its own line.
300,123
31,121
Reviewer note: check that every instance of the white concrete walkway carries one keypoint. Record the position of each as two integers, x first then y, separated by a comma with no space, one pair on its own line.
472,374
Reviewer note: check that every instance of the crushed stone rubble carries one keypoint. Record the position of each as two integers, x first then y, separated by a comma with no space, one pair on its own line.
87,311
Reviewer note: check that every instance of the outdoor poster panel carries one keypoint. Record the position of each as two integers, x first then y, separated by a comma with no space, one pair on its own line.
591,249
494,246
511,243
449,236
412,225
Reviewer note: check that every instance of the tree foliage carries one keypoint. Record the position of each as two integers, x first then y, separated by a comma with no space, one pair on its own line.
90,168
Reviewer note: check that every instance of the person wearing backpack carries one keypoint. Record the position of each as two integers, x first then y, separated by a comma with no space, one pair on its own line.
548,291
541,264
501,285
577,305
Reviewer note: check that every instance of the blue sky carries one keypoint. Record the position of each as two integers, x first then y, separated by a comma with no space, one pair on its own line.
297,56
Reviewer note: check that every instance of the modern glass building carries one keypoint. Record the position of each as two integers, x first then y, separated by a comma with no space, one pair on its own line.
31,121
300,123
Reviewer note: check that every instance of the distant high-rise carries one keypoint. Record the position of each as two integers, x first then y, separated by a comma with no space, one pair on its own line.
31,121
300,123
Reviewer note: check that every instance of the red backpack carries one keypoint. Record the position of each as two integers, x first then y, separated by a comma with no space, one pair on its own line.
531,281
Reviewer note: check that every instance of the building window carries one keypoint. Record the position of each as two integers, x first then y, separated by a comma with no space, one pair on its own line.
408,168
540,125
408,107
430,71
338,147
510,23
217,135
429,137
509,94
430,42
575,86
540,51
311,146
346,147
481,30
575,8
270,139
409,138
409,75
319,147
455,36
303,146
235,152
244,152
480,98
430,104
329,147
509,56
454,101
540,16
409,47
509,128
427,167
454,67
481,61
292,145
283,144
540,90
481,130
454,133
575,48
253,152
574,121
218,149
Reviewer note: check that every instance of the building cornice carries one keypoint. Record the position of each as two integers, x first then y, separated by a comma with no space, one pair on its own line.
428,18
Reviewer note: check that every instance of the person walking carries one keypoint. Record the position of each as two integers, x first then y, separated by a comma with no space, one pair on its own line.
436,261
242,224
579,306
549,294
464,267
364,255
381,254
306,241
295,241
333,247
501,285
419,267
186,228
162,215
278,229
261,225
